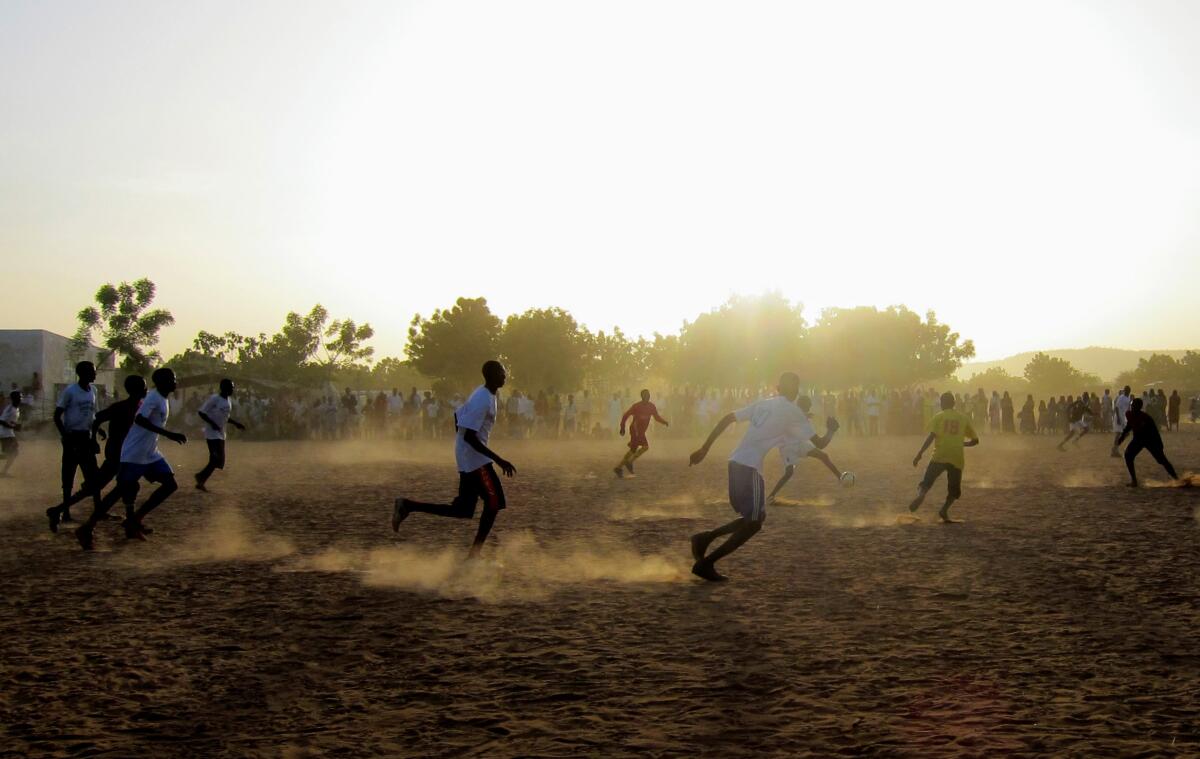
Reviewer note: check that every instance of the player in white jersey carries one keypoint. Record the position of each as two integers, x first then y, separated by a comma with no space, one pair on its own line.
775,422
216,413
140,457
73,416
476,474
10,422
792,454
1120,410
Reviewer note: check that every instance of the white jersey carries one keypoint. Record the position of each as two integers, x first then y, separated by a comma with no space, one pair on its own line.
478,414
1121,406
774,423
141,445
79,407
12,415
218,409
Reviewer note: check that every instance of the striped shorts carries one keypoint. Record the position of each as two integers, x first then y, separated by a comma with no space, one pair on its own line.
747,492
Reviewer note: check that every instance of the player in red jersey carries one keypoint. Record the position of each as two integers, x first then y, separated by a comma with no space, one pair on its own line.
642,412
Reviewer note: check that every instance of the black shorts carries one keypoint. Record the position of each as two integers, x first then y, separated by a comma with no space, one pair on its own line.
8,445
953,478
216,453
482,483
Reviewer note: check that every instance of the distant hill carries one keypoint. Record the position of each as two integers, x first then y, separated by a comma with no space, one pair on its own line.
1105,362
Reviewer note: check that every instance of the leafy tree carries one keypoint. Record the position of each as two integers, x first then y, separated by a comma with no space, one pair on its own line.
544,349
127,325
452,344
865,346
613,360
1182,374
996,378
1049,375
748,341
343,344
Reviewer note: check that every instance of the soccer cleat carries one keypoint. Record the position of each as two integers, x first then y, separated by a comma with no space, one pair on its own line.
619,472
706,571
134,530
699,546
400,512
66,516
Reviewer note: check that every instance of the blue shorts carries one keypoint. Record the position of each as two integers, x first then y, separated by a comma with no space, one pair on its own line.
747,492
155,471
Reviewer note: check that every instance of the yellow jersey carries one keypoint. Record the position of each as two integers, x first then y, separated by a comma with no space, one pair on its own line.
951,428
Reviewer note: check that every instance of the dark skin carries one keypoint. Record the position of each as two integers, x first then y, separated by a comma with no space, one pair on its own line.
86,377
164,388
944,513
493,380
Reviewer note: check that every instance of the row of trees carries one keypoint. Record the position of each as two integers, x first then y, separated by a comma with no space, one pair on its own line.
745,342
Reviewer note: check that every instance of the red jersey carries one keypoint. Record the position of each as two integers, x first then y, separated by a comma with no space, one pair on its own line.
642,412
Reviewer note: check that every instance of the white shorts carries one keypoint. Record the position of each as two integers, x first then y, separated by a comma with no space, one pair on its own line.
1080,426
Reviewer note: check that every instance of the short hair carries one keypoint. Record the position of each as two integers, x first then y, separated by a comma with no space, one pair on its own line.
1136,405
161,374
947,400
134,382
84,365
15,396
491,365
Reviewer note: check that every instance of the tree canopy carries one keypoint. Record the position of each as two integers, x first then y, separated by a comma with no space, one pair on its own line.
127,325
1049,375
452,344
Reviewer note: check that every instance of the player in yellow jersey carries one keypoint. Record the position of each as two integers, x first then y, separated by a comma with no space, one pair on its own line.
952,432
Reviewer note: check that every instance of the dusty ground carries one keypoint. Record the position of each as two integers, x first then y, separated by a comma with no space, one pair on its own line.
280,616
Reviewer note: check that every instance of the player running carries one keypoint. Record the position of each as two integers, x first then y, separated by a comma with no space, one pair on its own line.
952,432
1079,416
642,412
476,474
10,422
1145,436
119,417
775,422
216,415
73,416
140,456
793,453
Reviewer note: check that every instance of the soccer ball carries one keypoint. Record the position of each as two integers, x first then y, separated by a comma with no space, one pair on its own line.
847,479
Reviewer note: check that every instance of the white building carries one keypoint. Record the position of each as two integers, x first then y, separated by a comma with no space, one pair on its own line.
39,364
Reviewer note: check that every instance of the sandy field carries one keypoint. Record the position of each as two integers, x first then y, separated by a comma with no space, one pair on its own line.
279,616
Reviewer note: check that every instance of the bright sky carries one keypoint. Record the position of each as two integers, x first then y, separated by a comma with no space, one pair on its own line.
1031,171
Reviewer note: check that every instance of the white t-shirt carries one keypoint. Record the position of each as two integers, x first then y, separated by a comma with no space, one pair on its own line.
395,404
219,410
12,415
479,414
792,453
774,423
141,445
1122,405
872,405
79,407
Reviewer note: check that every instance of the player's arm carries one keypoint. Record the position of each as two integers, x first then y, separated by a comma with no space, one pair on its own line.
928,442
698,455
660,420
823,457
236,423
146,424
10,425
102,416
972,437
208,420
1124,434
831,428
471,437
58,420
624,417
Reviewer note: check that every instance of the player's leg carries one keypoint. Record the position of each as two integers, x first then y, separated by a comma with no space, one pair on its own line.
11,450
216,460
953,491
747,497
493,503
1131,452
85,532
787,475
462,507
932,472
823,457
1161,458
626,460
166,486
1067,439
641,451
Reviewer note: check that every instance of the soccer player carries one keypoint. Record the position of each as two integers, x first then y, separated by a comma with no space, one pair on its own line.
140,457
775,422
1121,408
1078,415
793,453
10,422
216,414
119,417
73,416
952,432
642,412
1146,436
476,474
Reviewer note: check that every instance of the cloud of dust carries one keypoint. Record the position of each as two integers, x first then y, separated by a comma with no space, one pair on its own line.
1088,479
226,536
686,506
521,569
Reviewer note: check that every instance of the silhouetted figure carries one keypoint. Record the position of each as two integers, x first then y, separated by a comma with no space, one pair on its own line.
775,422
951,431
641,412
804,449
994,412
1121,406
476,474
119,418
1145,437
1174,403
1028,417
1079,417
73,416
10,423
216,413
1006,413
